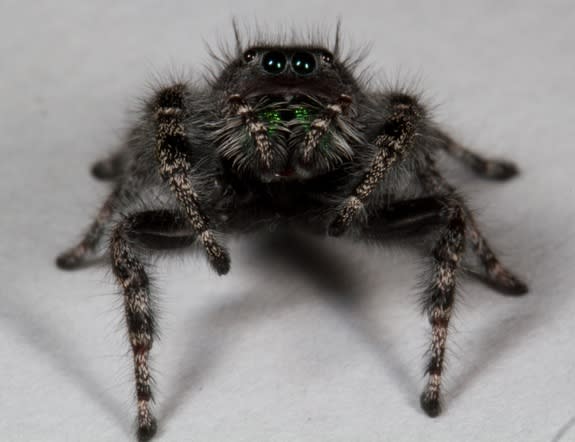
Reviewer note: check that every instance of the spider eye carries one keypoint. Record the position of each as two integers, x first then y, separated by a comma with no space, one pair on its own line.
326,57
249,55
303,63
274,62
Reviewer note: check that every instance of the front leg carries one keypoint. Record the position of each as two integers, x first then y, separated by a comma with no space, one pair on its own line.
129,239
172,150
396,138
440,296
445,215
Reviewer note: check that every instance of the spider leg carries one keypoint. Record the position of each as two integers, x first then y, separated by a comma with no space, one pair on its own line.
446,213
446,216
395,139
129,238
404,219
500,170
440,295
172,147
75,257
496,274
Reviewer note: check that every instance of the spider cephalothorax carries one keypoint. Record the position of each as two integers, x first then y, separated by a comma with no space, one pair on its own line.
285,134
290,113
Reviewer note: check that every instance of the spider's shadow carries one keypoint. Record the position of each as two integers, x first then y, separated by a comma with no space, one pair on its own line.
336,277
323,267
59,350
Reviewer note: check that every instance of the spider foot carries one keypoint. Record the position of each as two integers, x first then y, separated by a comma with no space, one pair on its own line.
147,429
218,255
345,216
71,259
499,170
221,263
336,228
430,403
506,282
105,170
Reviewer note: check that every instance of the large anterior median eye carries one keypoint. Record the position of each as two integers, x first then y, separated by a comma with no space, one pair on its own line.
274,62
303,63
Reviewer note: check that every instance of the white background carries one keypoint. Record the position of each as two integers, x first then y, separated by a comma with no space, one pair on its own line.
278,350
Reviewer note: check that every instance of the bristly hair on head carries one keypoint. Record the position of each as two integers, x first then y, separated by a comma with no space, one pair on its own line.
255,34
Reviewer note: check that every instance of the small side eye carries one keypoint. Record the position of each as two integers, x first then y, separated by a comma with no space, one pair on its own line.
249,55
326,57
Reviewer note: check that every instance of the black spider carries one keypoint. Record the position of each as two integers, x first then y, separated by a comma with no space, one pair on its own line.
284,134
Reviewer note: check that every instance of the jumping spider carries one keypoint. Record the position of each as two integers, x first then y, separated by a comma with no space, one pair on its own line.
285,134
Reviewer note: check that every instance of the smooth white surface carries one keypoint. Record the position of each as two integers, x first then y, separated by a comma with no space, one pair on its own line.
276,352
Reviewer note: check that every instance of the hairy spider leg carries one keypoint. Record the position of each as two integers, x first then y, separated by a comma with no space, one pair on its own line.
175,168
129,238
440,295
74,257
396,137
500,170
423,216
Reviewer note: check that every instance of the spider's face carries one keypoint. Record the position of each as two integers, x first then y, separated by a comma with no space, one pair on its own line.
288,113
287,71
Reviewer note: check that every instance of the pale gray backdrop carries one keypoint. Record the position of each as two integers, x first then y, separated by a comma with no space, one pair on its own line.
275,351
